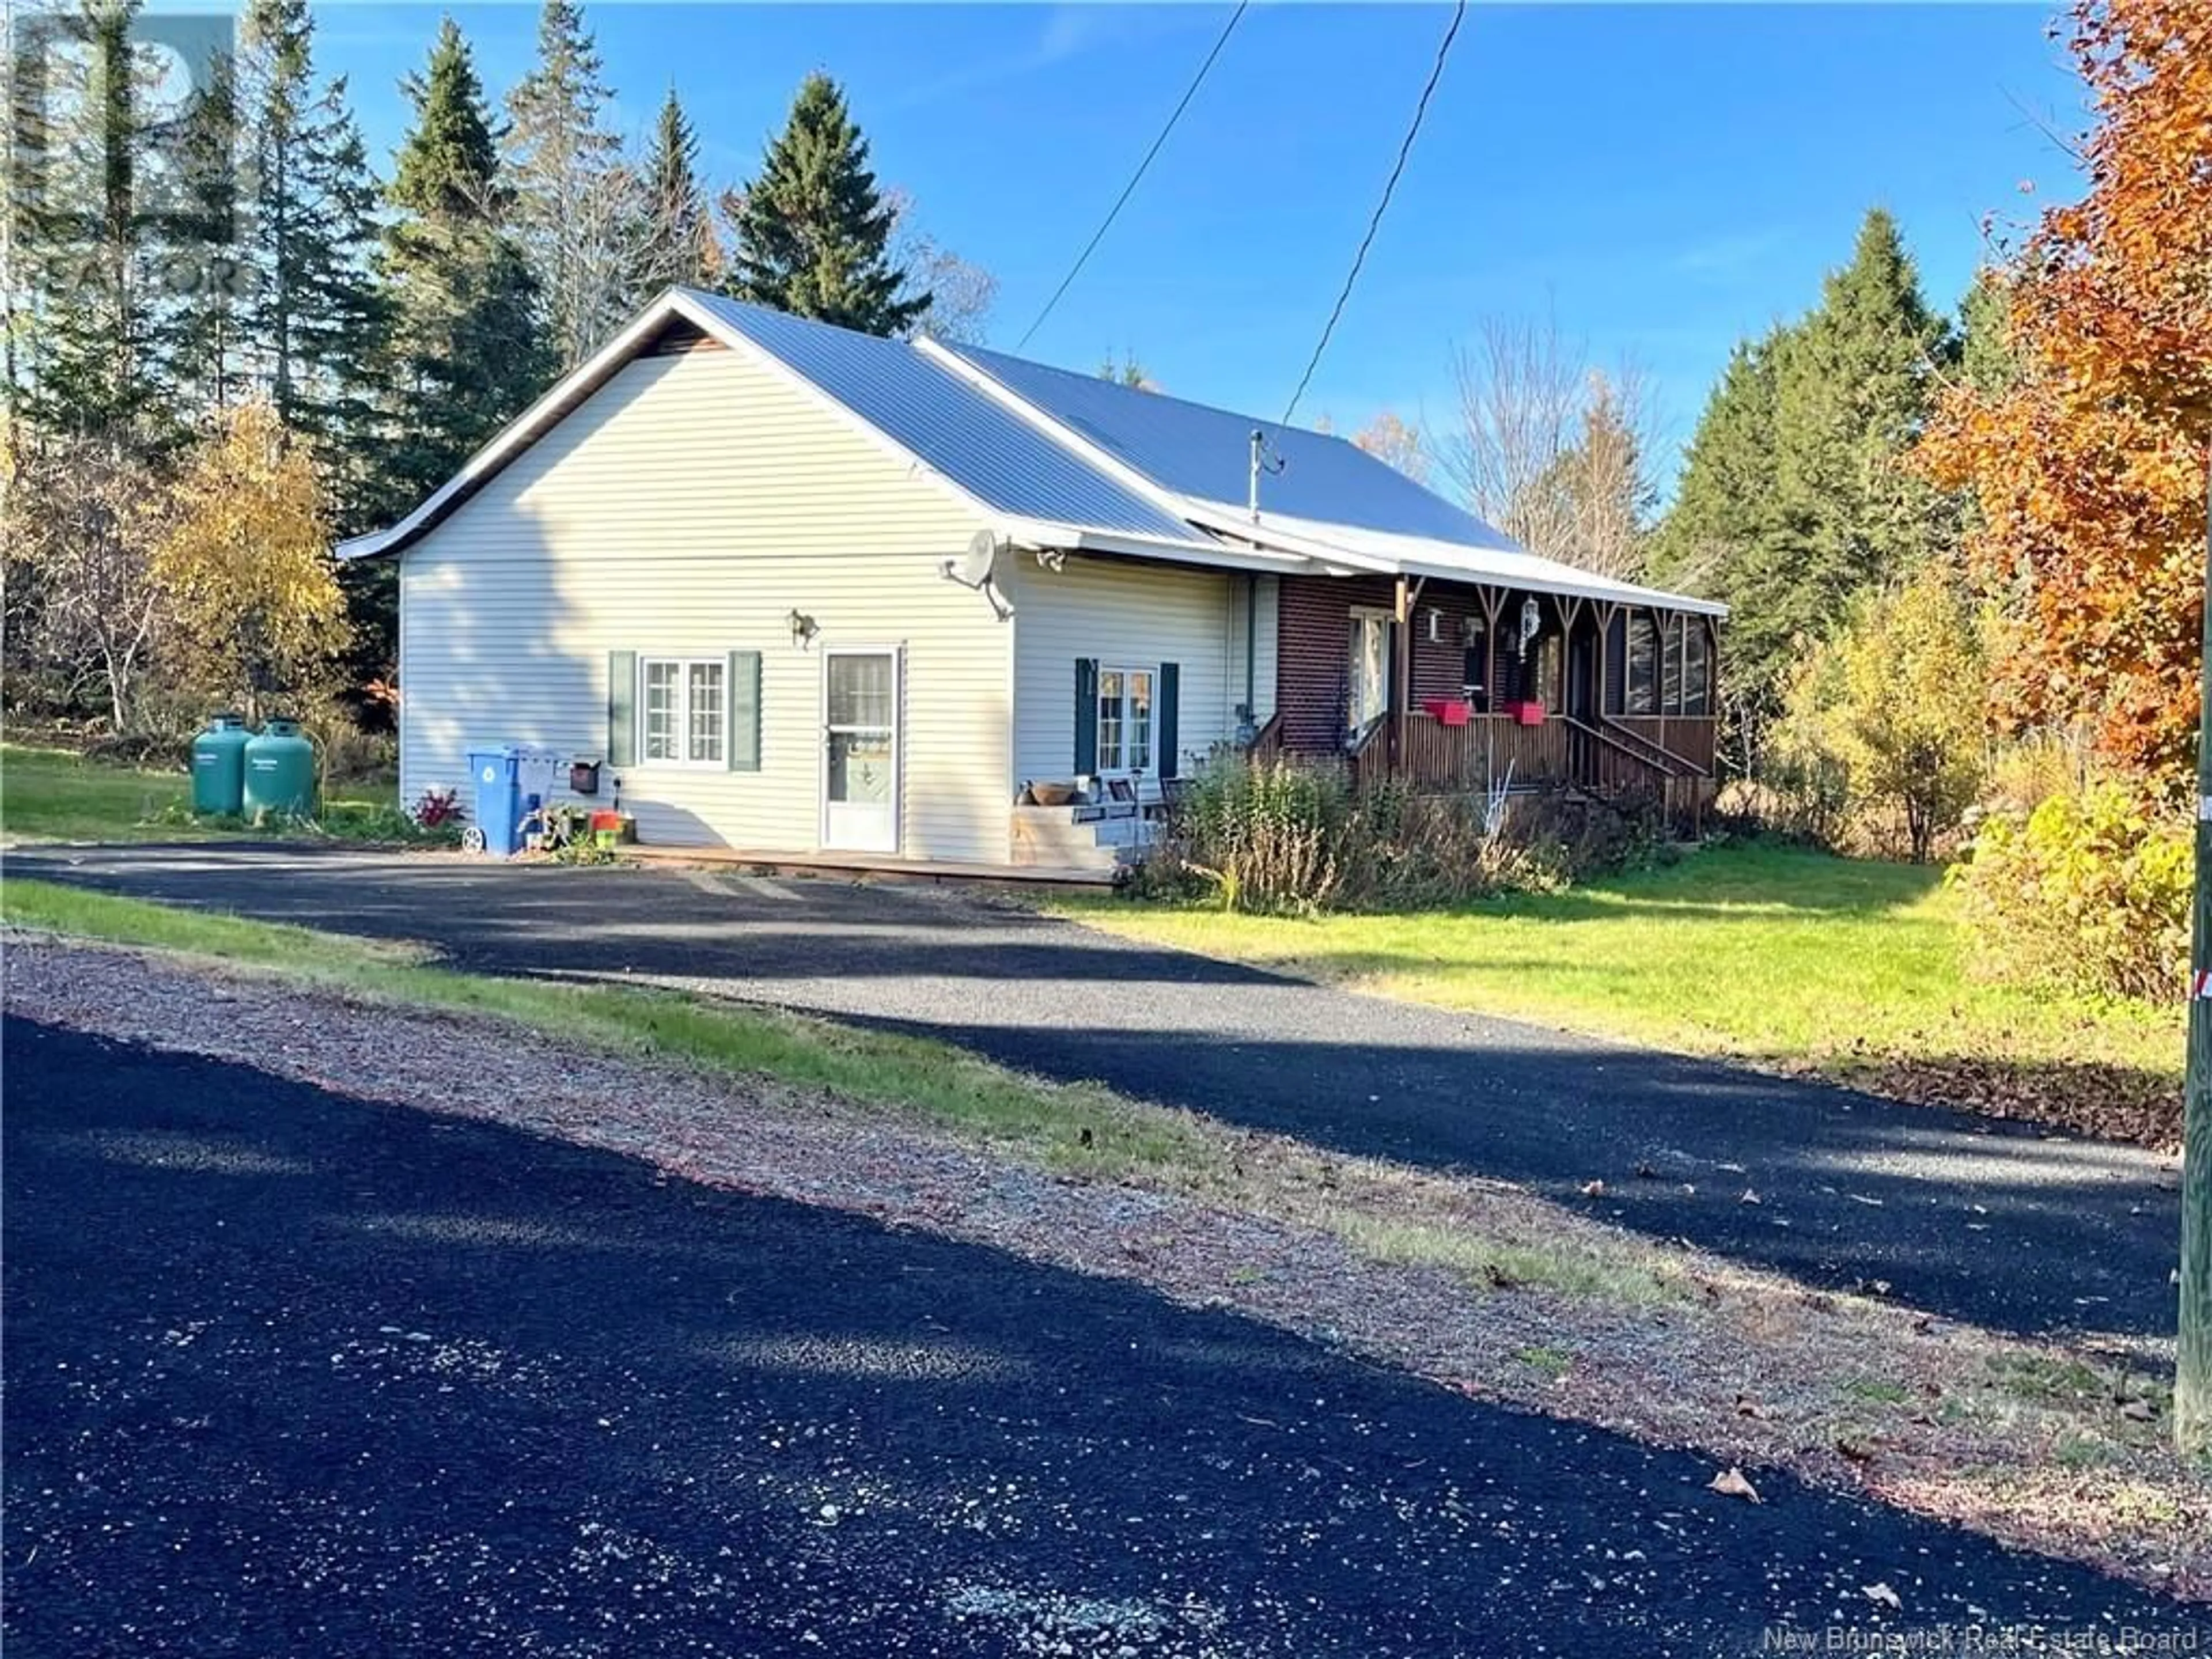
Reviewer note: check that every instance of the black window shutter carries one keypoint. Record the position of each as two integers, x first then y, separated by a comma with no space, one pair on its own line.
622,708
1087,716
745,711
1170,689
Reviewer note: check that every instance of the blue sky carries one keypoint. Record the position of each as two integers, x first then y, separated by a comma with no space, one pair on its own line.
1660,180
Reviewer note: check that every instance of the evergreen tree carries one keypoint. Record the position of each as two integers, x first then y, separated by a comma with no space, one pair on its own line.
1795,496
1987,362
571,215
1855,388
463,352
85,267
1725,535
466,353
313,313
676,240
203,329
813,233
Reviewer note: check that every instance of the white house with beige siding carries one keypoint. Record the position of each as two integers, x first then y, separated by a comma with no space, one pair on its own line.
802,590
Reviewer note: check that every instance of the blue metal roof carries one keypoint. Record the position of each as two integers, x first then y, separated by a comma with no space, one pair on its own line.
1207,453
962,432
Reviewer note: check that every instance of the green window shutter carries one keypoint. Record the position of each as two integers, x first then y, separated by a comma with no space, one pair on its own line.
622,708
1163,748
745,711
1087,716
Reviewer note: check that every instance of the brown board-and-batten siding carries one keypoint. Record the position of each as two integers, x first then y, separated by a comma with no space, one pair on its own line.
1313,650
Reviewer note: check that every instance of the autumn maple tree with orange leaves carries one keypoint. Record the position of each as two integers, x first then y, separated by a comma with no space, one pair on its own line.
2088,465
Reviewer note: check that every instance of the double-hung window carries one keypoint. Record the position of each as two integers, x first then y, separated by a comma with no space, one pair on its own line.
683,711
1125,719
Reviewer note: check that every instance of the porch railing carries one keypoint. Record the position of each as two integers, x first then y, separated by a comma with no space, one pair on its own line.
1454,757
1559,751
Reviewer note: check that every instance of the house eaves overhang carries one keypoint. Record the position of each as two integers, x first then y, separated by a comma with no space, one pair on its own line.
1349,549
1030,535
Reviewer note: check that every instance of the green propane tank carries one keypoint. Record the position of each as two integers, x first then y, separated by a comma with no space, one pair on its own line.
280,772
219,766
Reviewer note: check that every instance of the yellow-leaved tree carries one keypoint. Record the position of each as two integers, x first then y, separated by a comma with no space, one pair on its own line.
1891,713
259,618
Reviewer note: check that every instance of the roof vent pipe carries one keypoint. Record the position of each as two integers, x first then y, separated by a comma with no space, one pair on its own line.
1260,465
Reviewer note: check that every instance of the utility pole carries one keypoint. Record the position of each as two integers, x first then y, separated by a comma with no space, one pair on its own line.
2192,1376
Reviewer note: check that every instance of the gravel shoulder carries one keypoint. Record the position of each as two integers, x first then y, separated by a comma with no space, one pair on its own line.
1453,1279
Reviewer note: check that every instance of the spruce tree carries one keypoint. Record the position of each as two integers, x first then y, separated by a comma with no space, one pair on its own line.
315,315
1725,536
813,233
466,352
1853,391
463,350
571,216
86,265
1987,361
204,327
675,242
1795,496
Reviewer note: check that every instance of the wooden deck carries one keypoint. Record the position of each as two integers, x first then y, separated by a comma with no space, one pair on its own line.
868,867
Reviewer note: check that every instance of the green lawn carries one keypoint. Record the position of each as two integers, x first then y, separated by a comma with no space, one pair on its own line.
52,794
1785,957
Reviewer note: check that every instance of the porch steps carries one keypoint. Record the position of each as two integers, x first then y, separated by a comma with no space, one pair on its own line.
1078,837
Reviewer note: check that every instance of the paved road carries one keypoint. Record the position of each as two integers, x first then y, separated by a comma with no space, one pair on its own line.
1974,1219
292,1373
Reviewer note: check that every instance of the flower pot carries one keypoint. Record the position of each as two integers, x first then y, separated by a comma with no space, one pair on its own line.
1448,711
1053,794
1529,714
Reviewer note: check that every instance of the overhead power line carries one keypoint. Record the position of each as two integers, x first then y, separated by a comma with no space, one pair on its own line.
1135,179
1374,222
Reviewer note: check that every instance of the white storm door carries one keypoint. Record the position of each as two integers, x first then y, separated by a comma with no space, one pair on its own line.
860,772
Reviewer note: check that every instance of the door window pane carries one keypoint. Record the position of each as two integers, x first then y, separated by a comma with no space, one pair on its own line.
860,692
1547,671
1137,721
663,692
706,711
1370,670
1109,720
860,769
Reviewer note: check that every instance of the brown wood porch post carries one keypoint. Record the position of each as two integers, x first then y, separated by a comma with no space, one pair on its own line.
1605,612
1493,601
1401,670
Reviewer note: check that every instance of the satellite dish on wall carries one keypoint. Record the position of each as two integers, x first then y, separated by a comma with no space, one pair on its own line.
972,569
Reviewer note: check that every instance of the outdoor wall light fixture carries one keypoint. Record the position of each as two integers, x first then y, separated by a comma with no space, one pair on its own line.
803,629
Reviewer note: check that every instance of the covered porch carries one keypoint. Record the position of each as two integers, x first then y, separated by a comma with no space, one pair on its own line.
1456,684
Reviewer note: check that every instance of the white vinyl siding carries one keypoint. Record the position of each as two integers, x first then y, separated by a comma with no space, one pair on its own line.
1124,614
683,512
1263,606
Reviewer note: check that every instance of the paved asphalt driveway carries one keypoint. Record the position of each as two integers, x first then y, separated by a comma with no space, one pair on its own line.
291,1373
1972,1218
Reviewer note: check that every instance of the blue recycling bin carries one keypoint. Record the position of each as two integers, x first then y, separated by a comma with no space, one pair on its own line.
498,775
